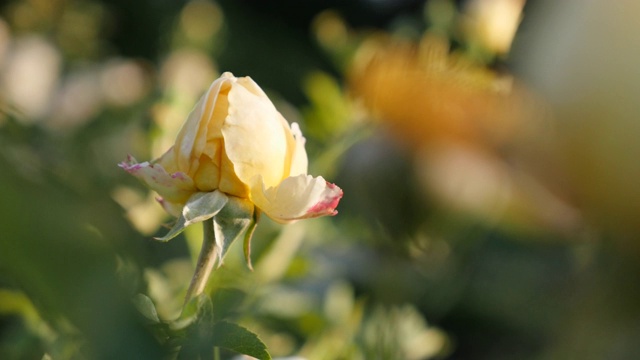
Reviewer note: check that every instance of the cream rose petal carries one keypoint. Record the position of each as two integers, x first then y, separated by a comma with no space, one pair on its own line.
192,139
299,160
254,136
296,197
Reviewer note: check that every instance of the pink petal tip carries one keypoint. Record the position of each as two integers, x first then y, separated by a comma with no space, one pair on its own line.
327,206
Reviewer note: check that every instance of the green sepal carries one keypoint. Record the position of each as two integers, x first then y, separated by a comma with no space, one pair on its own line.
248,236
231,222
177,228
201,206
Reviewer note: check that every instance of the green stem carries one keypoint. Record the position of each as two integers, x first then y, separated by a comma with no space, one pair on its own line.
206,260
216,353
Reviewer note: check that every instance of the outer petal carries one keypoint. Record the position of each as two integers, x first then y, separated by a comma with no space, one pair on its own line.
296,197
174,188
256,137
202,125
299,160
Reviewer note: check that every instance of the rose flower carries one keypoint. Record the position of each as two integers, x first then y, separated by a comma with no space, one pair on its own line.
235,142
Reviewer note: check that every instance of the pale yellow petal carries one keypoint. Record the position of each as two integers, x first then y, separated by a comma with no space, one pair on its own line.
205,117
248,83
207,175
296,197
299,160
255,138
229,182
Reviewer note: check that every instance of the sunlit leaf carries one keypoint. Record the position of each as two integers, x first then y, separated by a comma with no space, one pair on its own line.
237,338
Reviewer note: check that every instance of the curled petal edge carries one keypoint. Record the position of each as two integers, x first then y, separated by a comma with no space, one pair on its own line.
296,197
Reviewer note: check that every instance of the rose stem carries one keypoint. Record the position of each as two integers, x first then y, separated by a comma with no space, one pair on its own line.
206,260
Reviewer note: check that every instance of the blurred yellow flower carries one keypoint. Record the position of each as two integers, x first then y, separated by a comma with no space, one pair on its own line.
493,23
235,142
424,92
460,118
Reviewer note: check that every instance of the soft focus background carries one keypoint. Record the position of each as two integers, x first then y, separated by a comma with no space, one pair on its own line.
488,151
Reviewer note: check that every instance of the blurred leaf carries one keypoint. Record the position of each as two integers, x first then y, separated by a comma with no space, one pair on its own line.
146,307
237,338
227,301
330,112
203,334
15,302
199,337
66,266
193,309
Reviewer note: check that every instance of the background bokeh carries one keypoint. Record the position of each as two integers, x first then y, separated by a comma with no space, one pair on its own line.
487,149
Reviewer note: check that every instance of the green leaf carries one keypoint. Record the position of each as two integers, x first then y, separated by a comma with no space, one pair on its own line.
203,334
196,306
231,222
237,338
204,310
146,307
199,337
200,207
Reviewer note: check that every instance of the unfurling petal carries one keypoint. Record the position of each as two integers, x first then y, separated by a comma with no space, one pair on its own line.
296,197
175,188
202,126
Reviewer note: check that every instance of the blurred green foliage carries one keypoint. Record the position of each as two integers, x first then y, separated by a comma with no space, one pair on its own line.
396,275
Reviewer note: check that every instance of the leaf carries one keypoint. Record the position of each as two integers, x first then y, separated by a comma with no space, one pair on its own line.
204,310
203,334
200,207
227,301
146,307
239,339
195,307
199,339
231,222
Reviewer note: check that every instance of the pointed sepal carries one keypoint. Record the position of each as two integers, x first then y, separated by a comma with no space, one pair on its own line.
201,206
231,222
248,235
176,229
